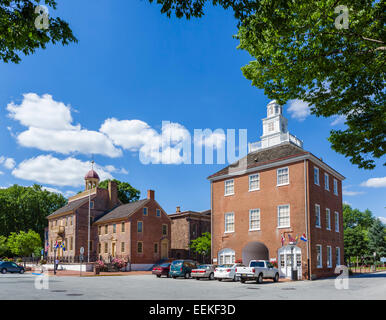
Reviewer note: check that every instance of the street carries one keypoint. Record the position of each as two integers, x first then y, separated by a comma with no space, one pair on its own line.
148,287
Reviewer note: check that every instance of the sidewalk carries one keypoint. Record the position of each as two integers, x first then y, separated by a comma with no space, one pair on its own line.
70,273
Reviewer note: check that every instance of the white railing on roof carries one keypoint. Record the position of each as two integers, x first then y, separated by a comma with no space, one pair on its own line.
275,140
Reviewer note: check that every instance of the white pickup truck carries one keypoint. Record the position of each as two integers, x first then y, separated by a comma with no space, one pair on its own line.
258,270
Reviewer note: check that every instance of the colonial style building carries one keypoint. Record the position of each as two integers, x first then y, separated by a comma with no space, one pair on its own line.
280,202
187,226
137,231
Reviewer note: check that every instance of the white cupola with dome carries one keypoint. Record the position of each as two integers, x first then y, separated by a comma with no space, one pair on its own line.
275,129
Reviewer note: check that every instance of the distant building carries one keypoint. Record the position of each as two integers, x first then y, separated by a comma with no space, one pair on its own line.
273,198
137,231
187,226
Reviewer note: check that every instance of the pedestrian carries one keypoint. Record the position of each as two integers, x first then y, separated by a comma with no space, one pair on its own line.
56,264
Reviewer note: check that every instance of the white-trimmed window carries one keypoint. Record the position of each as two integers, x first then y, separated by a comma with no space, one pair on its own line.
226,256
317,216
145,211
336,221
329,257
271,126
254,219
229,187
328,219
335,187
337,256
229,222
282,176
158,212
326,182
316,176
254,182
139,226
319,256
283,216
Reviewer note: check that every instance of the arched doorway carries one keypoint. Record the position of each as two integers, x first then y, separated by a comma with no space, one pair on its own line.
255,251
290,258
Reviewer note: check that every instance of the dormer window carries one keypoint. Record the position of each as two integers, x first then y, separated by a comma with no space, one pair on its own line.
270,126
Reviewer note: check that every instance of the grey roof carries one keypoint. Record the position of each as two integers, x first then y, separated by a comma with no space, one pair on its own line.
265,156
123,211
71,206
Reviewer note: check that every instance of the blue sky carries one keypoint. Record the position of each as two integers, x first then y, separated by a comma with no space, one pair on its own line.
132,63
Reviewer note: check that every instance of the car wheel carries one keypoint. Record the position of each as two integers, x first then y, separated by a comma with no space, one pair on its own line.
158,276
234,279
174,277
21,271
197,278
211,276
187,275
219,279
242,280
3,271
260,278
276,279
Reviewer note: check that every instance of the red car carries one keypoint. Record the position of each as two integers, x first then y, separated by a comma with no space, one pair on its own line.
161,270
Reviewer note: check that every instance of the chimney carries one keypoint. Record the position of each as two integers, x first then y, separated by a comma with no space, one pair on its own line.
150,194
113,194
178,209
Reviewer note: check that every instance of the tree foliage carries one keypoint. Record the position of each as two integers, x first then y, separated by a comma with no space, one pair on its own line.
3,246
202,244
377,238
126,193
24,243
26,208
300,54
18,33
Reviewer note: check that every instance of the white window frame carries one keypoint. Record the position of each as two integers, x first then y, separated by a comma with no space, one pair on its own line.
278,216
335,187
225,222
329,256
224,254
316,169
319,265
257,219
317,215
225,187
336,221
258,182
277,177
145,209
328,221
337,256
326,182
158,212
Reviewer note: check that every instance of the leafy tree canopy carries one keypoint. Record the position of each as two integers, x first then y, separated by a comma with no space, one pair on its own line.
24,243
3,246
25,208
18,33
300,54
126,193
377,238
202,244
355,218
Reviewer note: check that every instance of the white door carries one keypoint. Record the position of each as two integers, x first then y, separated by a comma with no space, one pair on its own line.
289,259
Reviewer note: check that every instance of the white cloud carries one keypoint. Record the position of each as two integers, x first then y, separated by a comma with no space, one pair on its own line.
47,169
299,109
383,219
338,120
50,128
9,163
53,190
352,193
1,173
375,183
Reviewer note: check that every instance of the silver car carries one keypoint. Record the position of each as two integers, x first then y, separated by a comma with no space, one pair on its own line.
204,271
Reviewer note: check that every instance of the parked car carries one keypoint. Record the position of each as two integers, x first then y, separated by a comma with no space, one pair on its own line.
258,270
161,270
12,267
227,271
204,271
182,268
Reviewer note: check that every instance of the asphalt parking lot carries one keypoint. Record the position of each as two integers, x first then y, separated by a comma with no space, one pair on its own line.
16,286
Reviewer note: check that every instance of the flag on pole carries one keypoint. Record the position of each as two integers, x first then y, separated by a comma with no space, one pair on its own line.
56,245
303,237
282,240
290,239
63,247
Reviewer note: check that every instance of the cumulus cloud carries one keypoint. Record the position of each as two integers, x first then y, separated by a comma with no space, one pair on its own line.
375,183
383,219
299,109
47,169
50,128
8,163
352,193
339,120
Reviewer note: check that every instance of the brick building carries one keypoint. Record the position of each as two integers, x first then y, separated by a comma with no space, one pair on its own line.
279,193
137,231
187,226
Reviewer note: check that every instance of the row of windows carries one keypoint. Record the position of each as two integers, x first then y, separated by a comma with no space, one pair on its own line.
326,181
319,256
139,228
282,178
318,222
123,247
67,221
145,211
105,228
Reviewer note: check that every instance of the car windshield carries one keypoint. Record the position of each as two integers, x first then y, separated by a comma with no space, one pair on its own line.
177,263
226,266
204,266
257,264
165,265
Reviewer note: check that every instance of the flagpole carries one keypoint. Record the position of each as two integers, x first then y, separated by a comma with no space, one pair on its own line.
89,216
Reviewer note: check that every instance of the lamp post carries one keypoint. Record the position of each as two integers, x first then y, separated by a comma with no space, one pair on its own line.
55,260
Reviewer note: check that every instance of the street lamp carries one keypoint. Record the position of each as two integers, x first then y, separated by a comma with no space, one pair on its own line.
55,260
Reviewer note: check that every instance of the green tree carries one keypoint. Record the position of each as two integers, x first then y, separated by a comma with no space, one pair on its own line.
18,33
202,244
376,235
126,193
299,53
354,243
24,243
3,246
25,208
354,217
